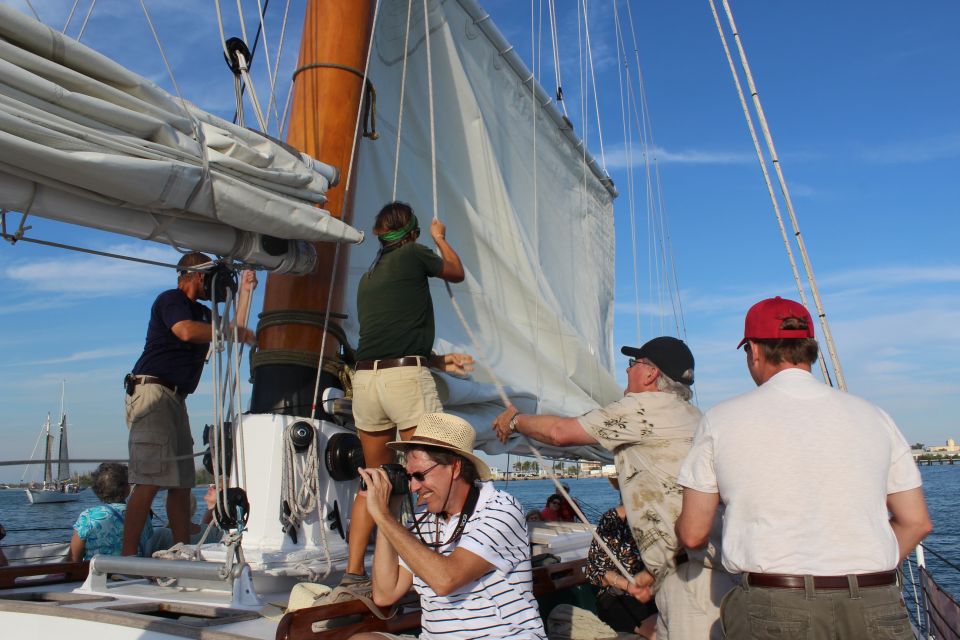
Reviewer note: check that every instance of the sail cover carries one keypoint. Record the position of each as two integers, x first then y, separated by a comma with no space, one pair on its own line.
526,208
84,140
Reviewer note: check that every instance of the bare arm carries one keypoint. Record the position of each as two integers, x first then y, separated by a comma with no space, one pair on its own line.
202,332
390,581
909,518
77,547
248,282
452,269
696,517
555,430
458,364
444,574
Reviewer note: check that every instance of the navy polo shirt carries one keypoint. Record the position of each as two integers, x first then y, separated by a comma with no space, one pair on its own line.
164,354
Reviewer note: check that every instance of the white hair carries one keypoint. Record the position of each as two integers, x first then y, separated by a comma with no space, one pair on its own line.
667,384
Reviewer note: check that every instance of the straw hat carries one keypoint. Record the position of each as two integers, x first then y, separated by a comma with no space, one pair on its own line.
445,431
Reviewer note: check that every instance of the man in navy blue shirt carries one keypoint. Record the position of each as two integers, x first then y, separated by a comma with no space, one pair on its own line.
160,443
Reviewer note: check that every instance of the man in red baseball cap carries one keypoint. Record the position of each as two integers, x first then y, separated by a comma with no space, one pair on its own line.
822,496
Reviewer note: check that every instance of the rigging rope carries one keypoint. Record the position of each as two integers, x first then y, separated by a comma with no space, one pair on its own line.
593,78
73,10
403,86
631,196
274,103
556,55
86,19
501,392
774,159
766,174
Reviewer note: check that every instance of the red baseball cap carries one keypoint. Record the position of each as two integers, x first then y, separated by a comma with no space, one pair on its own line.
764,319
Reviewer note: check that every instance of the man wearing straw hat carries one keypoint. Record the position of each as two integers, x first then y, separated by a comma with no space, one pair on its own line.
649,431
466,551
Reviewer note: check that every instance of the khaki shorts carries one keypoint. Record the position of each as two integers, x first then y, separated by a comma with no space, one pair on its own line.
159,432
689,602
393,398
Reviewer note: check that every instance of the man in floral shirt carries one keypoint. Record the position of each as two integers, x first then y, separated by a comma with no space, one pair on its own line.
649,431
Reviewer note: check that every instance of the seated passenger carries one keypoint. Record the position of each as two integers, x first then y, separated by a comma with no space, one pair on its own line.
557,510
567,514
162,537
615,606
99,529
533,515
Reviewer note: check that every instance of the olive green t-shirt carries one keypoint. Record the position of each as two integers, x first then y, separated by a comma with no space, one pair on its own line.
394,307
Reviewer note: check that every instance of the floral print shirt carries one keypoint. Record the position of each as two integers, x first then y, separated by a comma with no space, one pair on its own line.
101,529
615,532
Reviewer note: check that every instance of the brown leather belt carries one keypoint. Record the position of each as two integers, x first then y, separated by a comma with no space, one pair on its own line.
135,380
406,361
781,581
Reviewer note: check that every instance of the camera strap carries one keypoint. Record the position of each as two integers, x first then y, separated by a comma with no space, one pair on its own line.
468,507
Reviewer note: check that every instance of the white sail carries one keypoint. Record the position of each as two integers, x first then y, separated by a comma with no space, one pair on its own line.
84,140
535,233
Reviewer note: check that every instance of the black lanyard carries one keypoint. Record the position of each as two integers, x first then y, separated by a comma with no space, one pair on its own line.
465,513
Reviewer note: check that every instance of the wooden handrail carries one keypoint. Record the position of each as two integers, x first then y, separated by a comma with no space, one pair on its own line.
56,573
298,625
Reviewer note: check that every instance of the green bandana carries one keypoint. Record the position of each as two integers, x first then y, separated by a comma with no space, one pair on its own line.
399,234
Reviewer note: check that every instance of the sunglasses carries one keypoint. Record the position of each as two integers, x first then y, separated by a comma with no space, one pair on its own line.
420,476
635,361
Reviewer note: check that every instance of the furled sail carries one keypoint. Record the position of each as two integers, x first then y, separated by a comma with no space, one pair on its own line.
535,232
85,141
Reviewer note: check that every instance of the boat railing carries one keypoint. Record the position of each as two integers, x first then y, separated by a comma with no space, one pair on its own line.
935,614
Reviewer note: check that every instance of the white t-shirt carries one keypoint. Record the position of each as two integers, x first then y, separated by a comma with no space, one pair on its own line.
500,604
804,471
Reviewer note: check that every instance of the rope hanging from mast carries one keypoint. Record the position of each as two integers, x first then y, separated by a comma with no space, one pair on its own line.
785,191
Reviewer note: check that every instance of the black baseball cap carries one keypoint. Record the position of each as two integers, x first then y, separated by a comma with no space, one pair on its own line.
672,356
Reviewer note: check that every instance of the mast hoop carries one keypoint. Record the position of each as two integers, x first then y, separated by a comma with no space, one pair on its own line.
369,115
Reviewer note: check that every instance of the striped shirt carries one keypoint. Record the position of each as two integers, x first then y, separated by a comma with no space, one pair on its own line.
499,604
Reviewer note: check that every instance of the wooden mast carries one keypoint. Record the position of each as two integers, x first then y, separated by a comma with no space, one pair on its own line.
326,97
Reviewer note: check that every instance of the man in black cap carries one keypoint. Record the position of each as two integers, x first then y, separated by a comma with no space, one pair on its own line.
649,431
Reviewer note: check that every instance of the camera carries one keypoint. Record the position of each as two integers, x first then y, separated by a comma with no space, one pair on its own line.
398,479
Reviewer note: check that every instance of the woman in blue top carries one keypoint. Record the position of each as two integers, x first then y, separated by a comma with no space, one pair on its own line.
99,529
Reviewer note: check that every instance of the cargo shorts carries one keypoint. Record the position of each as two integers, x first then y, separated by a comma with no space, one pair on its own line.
159,440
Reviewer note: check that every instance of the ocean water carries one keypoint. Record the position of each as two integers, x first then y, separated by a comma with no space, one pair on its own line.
51,522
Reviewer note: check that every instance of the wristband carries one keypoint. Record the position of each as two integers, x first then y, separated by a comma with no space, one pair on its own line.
512,426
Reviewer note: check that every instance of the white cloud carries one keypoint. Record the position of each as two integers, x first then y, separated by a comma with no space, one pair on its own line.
917,150
82,356
617,157
893,276
86,276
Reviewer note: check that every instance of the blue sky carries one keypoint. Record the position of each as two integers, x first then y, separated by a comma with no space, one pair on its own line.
862,98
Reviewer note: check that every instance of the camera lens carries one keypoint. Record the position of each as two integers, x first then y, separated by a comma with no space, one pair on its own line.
397,476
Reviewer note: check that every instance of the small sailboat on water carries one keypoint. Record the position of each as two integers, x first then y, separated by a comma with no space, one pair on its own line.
59,487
